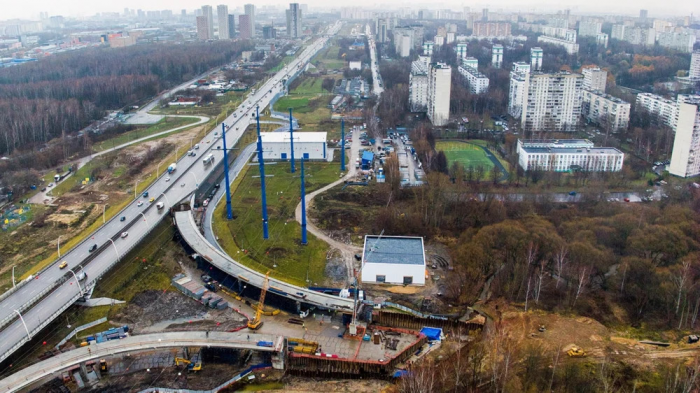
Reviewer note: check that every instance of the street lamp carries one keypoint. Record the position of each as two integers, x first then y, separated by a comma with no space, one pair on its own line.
115,250
166,198
144,217
13,276
77,282
29,336
58,246
104,207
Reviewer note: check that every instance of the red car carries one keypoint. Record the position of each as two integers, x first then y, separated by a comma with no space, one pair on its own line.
627,199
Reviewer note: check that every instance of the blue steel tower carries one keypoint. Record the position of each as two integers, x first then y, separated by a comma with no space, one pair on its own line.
262,176
303,205
229,214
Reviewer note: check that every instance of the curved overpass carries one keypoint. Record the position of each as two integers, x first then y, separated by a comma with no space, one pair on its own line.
191,235
237,340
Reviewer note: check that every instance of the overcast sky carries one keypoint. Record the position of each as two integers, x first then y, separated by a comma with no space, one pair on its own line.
31,8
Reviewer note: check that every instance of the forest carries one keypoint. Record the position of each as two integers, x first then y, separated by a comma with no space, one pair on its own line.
64,93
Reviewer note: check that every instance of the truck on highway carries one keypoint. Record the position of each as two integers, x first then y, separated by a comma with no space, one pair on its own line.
208,159
172,167
60,176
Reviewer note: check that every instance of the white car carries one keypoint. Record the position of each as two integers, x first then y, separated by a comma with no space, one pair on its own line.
167,179
139,204
125,234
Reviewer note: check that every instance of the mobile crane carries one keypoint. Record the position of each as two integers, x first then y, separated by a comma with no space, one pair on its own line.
256,323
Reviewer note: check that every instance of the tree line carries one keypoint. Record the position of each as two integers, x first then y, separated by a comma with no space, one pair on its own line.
64,93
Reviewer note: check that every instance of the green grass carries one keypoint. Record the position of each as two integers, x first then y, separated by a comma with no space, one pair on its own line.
163,125
310,86
242,237
465,153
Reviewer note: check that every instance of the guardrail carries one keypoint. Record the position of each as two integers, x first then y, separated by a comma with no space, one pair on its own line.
80,328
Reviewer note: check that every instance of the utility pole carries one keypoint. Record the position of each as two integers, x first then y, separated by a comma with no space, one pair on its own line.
262,176
303,205
342,145
229,213
291,138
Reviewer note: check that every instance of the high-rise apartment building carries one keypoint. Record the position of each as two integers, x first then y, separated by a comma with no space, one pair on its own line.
643,14
570,46
694,72
594,79
382,30
663,111
249,9
589,28
208,13
536,55
428,48
552,102
244,27
618,32
461,50
497,56
203,28
685,159
439,85
269,32
231,25
418,87
485,15
439,41
472,62
640,35
602,39
609,112
294,21
681,41
222,16
517,92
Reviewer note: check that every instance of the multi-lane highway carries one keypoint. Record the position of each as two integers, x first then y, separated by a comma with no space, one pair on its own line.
42,298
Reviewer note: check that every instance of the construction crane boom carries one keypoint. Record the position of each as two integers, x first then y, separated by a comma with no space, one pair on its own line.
256,323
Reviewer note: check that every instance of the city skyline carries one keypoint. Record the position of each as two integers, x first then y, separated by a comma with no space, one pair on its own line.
83,8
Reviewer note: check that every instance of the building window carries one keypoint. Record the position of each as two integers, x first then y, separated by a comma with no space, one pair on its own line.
407,280
381,278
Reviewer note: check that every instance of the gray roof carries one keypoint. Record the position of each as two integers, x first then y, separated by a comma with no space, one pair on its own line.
394,249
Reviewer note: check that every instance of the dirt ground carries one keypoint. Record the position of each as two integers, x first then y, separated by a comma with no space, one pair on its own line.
296,384
153,311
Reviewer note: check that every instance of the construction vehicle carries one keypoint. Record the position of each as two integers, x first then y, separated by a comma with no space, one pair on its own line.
257,323
576,352
194,364
103,365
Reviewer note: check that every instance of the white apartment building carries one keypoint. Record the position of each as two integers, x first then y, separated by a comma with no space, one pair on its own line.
222,16
439,40
640,35
552,102
428,48
605,110
461,50
536,56
517,93
568,155
570,46
602,39
439,84
589,28
662,109
472,62
497,56
403,44
449,38
680,41
594,78
618,32
685,159
208,13
418,87
694,72
478,83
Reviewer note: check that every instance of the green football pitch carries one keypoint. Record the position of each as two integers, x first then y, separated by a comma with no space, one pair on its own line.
465,153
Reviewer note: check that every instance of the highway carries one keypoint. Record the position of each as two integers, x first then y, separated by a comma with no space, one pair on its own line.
377,87
238,340
40,299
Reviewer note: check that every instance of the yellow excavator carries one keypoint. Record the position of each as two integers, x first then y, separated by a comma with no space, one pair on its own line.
257,323
194,364
576,352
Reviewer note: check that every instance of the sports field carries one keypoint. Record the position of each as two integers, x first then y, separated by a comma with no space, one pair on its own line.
465,153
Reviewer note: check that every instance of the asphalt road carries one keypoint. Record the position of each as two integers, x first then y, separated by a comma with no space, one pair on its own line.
182,182
374,63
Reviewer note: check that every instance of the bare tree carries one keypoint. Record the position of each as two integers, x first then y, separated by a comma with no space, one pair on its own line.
582,281
540,278
560,262
680,280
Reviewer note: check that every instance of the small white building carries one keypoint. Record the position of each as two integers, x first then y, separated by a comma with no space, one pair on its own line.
309,145
355,65
398,260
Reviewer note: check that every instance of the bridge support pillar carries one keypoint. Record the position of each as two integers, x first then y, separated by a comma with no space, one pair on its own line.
96,369
278,357
186,352
298,307
83,370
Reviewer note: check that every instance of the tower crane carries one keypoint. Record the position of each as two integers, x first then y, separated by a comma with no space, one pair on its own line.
256,323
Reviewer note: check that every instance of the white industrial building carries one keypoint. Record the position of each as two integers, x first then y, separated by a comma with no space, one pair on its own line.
594,78
307,145
568,155
478,83
439,85
605,110
355,65
398,260
685,159
570,46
